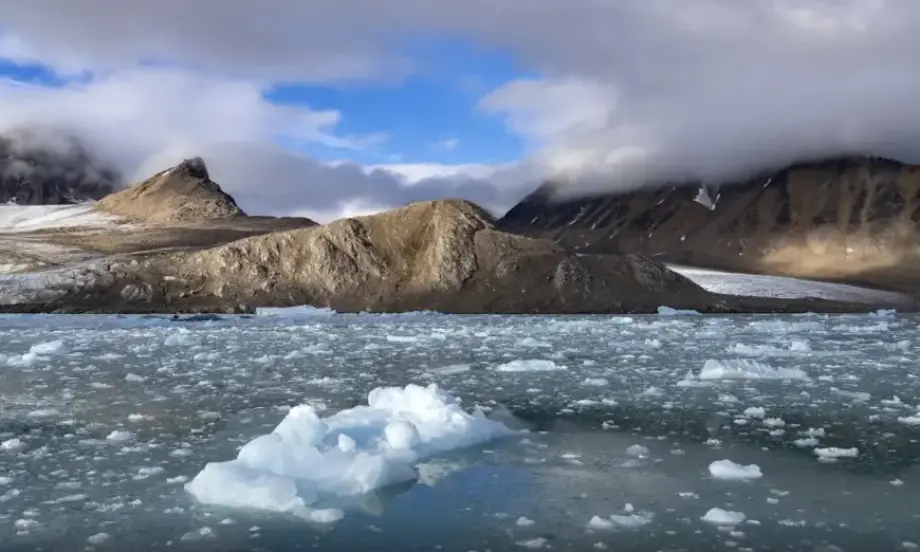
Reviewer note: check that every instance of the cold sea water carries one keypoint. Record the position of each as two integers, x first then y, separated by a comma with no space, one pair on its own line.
658,433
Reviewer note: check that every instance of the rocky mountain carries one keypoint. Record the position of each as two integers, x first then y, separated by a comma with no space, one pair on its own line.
36,172
184,193
178,243
848,219
446,256
442,255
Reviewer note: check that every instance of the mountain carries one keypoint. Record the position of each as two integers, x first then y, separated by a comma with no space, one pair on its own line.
178,243
441,255
184,193
851,219
39,172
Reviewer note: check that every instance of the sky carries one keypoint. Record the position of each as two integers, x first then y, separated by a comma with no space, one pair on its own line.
330,109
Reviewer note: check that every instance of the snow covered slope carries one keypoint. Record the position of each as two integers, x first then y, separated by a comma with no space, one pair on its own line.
752,285
32,218
22,249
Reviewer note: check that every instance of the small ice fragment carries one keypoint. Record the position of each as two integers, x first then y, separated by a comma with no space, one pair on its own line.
718,516
98,538
47,348
774,422
450,370
739,369
598,522
538,542
728,470
835,452
118,436
530,366
638,451
12,445
524,522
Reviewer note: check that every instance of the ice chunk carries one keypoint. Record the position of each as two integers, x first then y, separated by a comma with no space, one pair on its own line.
47,348
835,452
294,312
638,451
669,311
738,369
524,522
118,436
628,520
529,366
12,445
533,544
718,516
98,538
308,459
450,370
726,469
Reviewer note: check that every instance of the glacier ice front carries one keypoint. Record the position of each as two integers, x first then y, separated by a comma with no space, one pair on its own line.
307,460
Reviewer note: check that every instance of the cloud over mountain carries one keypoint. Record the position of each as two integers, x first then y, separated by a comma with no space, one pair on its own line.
624,91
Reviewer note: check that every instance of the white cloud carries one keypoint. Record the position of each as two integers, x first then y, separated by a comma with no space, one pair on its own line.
146,120
630,89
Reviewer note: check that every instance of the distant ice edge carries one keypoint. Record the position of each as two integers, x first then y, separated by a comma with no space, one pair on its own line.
307,459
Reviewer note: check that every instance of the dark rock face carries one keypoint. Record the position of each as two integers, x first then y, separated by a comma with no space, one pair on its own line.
35,173
851,219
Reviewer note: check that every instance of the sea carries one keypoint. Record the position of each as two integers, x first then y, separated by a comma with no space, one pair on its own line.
303,429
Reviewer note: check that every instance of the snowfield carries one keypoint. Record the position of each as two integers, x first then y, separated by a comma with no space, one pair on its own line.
23,251
753,285
32,218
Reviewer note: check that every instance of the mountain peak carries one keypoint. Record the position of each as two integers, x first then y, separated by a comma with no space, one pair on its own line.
184,193
193,167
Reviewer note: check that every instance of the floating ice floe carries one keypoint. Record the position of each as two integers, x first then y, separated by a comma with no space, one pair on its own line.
738,369
833,453
718,516
668,311
630,519
294,312
536,365
726,469
308,460
38,352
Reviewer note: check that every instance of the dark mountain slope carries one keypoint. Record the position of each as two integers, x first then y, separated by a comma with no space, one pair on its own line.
35,171
847,219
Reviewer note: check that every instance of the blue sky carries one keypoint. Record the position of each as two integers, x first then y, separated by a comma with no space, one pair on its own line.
429,117
432,108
